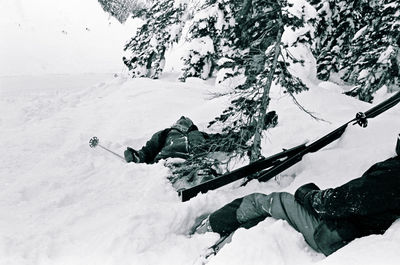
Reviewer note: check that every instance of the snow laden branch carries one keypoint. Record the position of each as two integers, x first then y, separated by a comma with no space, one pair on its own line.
239,42
251,62
359,42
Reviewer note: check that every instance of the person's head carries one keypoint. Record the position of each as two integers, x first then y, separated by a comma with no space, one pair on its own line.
183,124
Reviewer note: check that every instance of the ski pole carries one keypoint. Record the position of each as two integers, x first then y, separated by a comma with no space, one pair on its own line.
94,141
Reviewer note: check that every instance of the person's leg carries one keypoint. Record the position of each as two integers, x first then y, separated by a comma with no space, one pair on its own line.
253,208
284,206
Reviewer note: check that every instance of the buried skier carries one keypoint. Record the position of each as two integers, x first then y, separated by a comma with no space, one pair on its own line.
184,140
328,219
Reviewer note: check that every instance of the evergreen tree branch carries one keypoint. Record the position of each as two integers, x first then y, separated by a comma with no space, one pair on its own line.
295,99
304,109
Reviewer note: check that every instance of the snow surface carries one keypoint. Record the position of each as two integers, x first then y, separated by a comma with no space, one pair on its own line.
63,203
47,36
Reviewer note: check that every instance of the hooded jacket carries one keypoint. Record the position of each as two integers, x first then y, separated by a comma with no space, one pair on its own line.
184,139
178,141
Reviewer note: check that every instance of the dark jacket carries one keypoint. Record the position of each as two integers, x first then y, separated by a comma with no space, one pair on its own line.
184,139
363,206
181,140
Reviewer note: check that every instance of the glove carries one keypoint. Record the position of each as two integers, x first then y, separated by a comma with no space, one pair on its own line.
131,155
304,196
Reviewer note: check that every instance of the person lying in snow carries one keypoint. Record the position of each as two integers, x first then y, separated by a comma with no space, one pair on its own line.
328,219
200,153
182,140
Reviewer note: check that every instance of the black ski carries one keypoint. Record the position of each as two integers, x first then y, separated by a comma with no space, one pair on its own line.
277,163
239,173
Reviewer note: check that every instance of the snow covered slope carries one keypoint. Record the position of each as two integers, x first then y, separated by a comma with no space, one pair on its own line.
46,36
62,202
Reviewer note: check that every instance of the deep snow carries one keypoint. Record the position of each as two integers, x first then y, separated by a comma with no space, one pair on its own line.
58,37
65,203
62,202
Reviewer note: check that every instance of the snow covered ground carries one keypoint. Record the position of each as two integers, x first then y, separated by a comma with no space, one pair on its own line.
62,202
63,36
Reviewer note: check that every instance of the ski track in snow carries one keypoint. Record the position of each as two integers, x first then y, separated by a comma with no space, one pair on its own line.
65,203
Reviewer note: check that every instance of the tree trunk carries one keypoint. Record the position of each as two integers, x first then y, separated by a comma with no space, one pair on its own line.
256,148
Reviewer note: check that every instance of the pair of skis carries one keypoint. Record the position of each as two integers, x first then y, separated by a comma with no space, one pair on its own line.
267,168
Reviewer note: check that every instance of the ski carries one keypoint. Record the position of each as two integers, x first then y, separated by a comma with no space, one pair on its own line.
214,249
239,173
276,164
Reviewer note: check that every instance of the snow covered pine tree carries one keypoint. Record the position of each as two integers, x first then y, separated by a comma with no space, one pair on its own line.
201,35
242,41
122,9
239,39
162,26
360,41
252,56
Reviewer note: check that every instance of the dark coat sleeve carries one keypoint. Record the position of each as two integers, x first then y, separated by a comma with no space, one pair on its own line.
303,195
376,191
152,147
